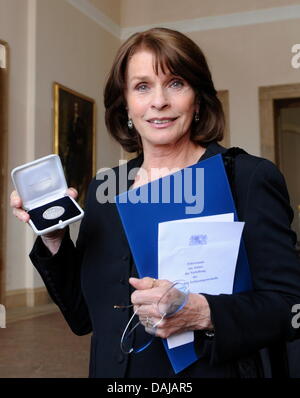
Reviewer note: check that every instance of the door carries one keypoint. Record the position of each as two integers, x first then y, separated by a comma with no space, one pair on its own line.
287,150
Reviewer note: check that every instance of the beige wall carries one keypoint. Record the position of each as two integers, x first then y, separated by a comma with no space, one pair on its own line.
243,59
111,8
77,53
13,29
144,12
74,51
49,41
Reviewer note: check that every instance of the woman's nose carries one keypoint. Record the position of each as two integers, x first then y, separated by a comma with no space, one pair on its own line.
160,98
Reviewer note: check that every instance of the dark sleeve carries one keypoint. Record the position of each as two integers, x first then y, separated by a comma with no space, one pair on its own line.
248,321
61,274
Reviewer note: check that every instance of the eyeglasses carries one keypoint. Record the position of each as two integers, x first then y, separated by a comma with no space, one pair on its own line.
137,337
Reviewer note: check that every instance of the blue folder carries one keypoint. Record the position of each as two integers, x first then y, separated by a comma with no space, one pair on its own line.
140,217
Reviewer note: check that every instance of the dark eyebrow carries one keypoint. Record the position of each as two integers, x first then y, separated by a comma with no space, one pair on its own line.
143,78
139,78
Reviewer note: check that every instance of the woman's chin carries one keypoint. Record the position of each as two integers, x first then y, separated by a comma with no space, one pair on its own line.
162,141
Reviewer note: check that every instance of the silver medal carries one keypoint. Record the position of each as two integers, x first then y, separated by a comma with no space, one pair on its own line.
53,212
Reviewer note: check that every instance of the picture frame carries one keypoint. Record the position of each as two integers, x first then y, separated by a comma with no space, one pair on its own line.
74,137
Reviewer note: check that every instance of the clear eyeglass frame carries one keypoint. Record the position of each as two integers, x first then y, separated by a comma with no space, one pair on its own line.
171,302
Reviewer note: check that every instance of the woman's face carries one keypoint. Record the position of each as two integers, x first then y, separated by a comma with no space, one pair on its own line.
162,106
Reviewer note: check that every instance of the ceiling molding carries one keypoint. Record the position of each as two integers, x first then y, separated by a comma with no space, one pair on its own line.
223,21
97,16
191,25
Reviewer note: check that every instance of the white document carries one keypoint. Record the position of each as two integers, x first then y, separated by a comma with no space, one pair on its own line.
202,251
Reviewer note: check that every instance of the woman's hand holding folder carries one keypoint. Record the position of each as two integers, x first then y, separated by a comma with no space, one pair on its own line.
193,315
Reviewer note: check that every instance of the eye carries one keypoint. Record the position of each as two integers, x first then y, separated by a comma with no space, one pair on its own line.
177,83
141,87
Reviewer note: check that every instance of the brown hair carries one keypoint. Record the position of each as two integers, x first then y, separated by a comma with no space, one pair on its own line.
182,57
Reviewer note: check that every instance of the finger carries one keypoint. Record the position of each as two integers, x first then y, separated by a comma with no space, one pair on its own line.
15,200
21,214
149,321
72,192
148,310
139,297
159,323
142,284
145,295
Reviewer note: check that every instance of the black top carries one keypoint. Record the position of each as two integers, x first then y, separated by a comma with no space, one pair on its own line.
86,281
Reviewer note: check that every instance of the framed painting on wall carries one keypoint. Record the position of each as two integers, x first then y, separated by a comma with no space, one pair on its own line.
74,137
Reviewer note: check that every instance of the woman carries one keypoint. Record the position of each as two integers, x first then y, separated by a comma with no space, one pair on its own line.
161,102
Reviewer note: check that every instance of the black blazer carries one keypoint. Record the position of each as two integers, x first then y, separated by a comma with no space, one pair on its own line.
86,281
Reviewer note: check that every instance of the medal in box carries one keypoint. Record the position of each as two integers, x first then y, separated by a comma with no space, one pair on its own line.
42,186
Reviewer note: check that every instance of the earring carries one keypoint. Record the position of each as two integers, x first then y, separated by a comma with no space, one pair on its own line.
197,117
130,124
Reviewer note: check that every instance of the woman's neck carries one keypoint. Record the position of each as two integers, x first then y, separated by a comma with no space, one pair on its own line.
179,156
163,161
